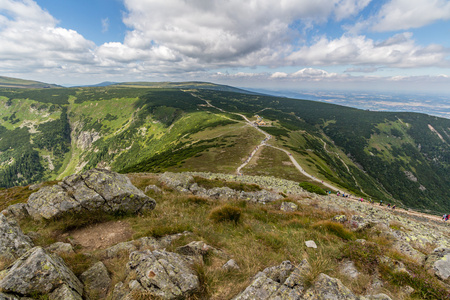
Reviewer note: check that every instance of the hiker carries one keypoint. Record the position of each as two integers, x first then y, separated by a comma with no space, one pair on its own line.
393,207
362,200
444,216
389,205
381,202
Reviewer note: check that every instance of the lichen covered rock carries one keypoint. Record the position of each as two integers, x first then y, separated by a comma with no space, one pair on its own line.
39,273
96,280
280,282
329,288
94,190
13,243
439,262
159,273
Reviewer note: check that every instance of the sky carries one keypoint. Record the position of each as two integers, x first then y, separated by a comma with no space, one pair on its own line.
397,45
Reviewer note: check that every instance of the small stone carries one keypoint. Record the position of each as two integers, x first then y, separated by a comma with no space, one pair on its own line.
230,265
311,244
153,188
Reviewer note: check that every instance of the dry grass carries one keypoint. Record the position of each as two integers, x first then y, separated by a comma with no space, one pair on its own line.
263,237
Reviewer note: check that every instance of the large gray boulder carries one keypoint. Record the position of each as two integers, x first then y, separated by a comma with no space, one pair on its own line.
13,243
94,190
160,274
439,262
38,272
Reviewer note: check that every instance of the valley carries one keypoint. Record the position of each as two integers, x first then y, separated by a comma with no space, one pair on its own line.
47,134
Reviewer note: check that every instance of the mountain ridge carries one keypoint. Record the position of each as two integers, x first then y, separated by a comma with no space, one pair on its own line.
51,133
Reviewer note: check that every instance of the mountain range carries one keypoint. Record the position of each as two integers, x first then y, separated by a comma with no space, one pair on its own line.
48,132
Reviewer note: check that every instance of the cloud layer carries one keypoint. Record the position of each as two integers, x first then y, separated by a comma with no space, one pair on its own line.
195,39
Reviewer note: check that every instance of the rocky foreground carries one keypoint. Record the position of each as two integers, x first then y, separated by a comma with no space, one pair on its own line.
30,271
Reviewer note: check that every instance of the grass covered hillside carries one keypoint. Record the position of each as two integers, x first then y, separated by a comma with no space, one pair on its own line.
46,134
371,249
20,83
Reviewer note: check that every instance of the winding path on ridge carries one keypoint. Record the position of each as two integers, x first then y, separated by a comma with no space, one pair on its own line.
297,165
264,143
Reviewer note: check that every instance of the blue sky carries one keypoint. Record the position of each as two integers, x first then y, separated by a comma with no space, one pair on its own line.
401,45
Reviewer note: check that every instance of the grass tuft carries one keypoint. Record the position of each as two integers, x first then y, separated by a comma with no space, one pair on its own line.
335,228
225,213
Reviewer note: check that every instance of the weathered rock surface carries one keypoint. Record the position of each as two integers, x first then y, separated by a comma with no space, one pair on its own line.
8,297
198,249
13,243
184,182
94,190
340,219
348,268
288,206
39,273
311,244
231,265
175,180
96,281
280,282
439,262
153,188
328,288
380,296
60,248
16,211
144,243
159,273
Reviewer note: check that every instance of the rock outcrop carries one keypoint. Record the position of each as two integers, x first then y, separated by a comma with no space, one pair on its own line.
285,281
39,273
184,182
94,190
13,243
159,274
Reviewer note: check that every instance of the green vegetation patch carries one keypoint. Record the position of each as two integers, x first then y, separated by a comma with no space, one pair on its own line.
312,188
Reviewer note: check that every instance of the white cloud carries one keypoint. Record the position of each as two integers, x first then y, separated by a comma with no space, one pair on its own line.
399,51
348,8
232,32
406,14
30,39
279,75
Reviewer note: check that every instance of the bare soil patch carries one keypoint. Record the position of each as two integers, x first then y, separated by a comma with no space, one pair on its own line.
101,236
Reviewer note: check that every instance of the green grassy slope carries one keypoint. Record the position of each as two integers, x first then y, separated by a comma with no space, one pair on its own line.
152,127
21,83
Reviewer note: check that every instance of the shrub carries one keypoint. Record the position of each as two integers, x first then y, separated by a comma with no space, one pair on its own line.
312,188
225,213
